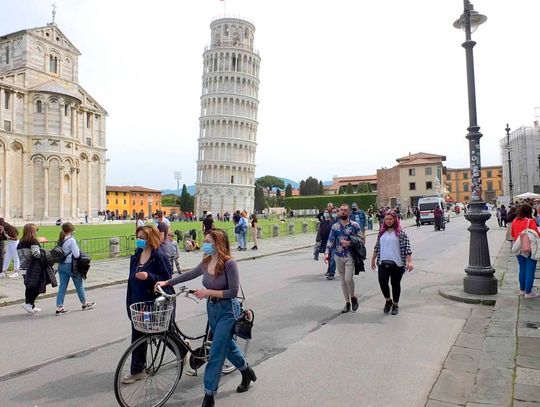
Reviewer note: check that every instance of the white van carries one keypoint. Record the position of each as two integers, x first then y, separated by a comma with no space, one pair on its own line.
427,205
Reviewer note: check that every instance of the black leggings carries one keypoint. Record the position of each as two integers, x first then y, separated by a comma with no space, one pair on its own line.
30,295
394,274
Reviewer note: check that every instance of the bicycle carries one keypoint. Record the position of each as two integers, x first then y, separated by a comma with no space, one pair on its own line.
165,349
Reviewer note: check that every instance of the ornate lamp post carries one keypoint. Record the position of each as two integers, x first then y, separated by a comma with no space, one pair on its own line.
510,185
479,279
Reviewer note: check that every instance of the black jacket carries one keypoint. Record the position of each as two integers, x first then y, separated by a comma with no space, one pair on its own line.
40,273
358,253
323,233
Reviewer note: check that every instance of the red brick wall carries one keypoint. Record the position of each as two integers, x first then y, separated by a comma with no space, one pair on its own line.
387,185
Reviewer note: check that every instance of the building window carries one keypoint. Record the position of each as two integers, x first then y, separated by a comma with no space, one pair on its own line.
490,186
7,125
141,202
499,184
116,201
466,198
466,187
429,185
232,179
226,31
88,119
7,55
39,106
412,186
489,174
448,176
66,110
428,170
107,202
449,188
133,203
124,201
116,193
465,175
53,64
412,172
6,100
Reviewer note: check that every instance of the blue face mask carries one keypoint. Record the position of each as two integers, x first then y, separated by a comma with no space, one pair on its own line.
334,215
208,248
140,243
326,215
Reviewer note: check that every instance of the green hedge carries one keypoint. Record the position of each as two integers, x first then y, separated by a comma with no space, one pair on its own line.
320,201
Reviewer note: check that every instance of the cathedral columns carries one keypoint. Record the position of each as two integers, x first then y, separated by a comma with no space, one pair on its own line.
45,190
74,191
61,190
24,182
7,180
89,188
73,116
1,107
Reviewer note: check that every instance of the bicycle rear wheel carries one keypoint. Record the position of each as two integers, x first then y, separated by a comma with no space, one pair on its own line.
243,344
163,364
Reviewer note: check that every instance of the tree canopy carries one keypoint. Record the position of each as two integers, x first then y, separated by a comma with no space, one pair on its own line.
268,182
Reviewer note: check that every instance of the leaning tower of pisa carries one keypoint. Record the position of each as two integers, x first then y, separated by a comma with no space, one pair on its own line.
228,122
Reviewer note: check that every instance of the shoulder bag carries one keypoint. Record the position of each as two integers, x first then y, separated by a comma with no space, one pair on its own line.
244,322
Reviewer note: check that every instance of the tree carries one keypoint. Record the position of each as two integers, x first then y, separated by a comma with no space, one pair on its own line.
341,190
288,191
302,188
260,202
268,182
186,201
349,189
364,187
321,188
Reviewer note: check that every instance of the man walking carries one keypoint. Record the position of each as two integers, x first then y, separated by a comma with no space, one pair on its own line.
340,241
359,216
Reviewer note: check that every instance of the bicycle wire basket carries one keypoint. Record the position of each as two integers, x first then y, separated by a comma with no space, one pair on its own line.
148,317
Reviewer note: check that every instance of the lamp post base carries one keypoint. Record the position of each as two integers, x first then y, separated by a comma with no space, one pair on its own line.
479,279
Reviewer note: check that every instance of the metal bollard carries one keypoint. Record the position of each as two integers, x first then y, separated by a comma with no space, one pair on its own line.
114,247
275,230
304,227
291,228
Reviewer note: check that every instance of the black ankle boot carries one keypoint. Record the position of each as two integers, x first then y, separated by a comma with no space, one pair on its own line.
208,401
248,376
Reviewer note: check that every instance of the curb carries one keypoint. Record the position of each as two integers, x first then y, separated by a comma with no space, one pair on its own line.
467,300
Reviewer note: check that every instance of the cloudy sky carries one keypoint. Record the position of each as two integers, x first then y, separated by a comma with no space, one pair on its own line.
346,87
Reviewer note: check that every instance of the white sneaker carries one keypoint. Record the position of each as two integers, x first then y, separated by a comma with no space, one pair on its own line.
14,275
3,274
532,295
36,309
28,308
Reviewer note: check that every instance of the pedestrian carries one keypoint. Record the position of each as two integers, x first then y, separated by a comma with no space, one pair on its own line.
67,269
3,240
207,223
162,227
498,216
37,272
242,230
147,266
12,235
437,217
174,253
339,239
236,219
370,215
417,217
359,216
322,239
221,282
140,221
504,216
329,207
254,222
527,265
85,217
392,255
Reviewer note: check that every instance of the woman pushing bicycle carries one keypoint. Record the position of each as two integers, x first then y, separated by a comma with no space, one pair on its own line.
221,282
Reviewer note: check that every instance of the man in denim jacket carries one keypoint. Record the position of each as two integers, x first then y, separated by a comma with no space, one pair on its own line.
359,216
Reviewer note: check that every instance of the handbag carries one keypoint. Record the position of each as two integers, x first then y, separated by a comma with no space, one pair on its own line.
244,322
523,244
238,229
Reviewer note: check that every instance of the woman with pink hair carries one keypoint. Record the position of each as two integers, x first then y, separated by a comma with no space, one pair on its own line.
392,255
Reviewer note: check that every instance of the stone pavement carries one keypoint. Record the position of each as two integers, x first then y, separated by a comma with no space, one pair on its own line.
115,271
495,361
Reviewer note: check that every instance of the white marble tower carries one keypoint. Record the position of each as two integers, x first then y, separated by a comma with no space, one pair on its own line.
228,122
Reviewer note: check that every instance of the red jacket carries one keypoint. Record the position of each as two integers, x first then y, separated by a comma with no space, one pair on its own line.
520,224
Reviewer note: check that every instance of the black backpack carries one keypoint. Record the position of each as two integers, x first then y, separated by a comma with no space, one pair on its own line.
57,254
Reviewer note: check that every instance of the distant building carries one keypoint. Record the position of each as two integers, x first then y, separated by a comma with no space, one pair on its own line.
458,183
414,177
525,156
52,132
128,201
355,181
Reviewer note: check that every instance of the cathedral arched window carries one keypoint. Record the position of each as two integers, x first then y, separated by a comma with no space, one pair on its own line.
53,64
7,55
39,106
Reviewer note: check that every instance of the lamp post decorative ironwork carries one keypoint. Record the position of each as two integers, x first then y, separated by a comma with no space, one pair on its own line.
479,278
510,185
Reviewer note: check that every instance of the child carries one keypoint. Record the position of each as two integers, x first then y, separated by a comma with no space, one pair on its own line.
173,253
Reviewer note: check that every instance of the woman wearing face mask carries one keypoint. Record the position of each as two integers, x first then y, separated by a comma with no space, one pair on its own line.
393,255
221,282
147,266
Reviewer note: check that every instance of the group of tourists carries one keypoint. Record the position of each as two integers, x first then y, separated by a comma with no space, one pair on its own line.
35,264
341,237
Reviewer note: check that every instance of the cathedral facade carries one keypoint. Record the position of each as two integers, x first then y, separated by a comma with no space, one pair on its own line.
228,121
52,132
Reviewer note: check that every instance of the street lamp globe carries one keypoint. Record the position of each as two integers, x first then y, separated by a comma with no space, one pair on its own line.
476,20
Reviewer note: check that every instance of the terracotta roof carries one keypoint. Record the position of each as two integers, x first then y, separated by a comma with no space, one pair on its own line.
339,182
113,188
411,157
420,161
135,188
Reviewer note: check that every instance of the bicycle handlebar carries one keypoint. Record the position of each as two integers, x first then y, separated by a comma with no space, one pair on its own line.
182,291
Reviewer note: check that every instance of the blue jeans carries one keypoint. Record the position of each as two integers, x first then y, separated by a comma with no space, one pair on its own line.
221,317
242,238
64,272
527,267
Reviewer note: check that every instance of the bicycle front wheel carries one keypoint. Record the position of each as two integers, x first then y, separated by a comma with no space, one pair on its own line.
243,344
148,372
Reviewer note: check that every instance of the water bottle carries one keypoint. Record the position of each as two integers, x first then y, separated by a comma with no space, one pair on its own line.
146,320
